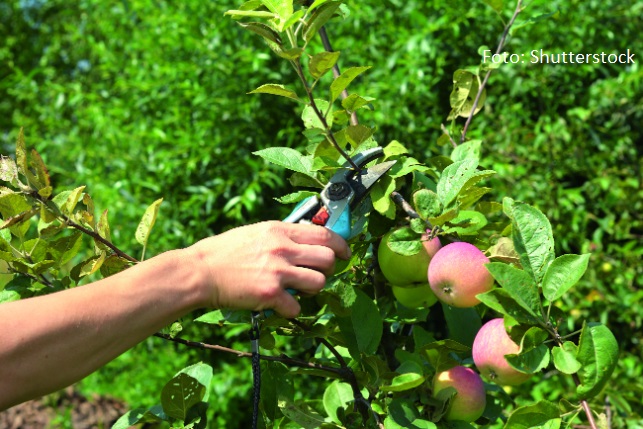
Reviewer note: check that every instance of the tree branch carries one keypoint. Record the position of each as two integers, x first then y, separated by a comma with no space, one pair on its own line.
486,78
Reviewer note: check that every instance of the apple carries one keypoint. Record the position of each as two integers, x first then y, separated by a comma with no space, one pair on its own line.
413,296
457,273
490,346
403,270
470,401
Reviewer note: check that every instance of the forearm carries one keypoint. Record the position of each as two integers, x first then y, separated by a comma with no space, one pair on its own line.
52,341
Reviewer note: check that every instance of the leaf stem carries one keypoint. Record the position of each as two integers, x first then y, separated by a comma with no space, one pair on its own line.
501,45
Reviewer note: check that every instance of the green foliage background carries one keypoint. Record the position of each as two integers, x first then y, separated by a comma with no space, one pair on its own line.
146,99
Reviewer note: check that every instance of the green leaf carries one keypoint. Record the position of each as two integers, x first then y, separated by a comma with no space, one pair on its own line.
283,8
8,170
381,197
565,358
354,102
465,89
270,35
598,355
275,89
102,227
542,415
467,150
342,82
140,415
358,134
533,355
322,62
453,178
406,381
519,286
302,414
16,207
363,328
563,273
426,203
446,216
296,197
320,16
441,354
180,394
288,158
336,396
462,323
500,301
404,241
21,153
147,222
237,14
312,120
114,264
467,222
533,239
497,5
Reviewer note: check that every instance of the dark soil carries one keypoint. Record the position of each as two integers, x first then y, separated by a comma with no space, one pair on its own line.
61,408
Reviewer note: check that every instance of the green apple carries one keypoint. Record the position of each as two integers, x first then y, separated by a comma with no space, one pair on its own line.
470,400
403,270
457,273
490,346
415,296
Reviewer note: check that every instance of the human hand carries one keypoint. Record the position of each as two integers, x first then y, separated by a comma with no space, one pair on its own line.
251,267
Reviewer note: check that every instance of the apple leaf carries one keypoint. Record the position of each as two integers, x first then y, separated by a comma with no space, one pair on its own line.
354,102
467,222
463,323
363,328
533,238
404,241
453,178
533,355
181,393
133,417
270,35
402,382
442,354
322,62
302,414
147,222
541,415
336,396
501,301
598,355
565,358
275,89
342,82
288,158
311,119
426,203
467,150
319,17
380,197
563,273
519,285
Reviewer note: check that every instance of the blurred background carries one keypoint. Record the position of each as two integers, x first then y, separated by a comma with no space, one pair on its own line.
140,100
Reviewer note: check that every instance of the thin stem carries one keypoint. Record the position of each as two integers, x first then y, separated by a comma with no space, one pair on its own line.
322,118
336,71
445,131
486,78
283,358
86,231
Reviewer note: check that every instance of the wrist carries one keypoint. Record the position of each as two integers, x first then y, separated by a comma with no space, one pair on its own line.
189,275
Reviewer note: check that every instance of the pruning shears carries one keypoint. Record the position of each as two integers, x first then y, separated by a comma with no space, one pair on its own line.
346,189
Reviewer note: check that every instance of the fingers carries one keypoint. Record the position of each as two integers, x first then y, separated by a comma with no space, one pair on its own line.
319,236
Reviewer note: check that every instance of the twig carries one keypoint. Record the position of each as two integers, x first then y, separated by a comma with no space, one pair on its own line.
283,358
86,231
400,201
445,131
336,72
320,115
486,78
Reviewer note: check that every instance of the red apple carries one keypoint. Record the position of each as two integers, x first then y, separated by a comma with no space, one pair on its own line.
457,273
490,346
470,401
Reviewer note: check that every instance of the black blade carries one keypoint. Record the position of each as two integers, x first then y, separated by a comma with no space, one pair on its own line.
363,181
